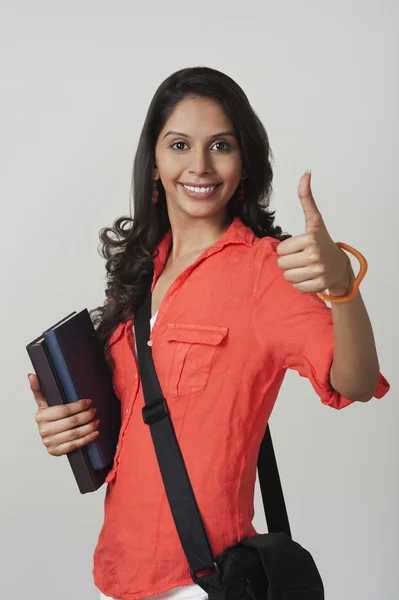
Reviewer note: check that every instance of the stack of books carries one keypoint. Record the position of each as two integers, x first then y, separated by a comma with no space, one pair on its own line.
69,362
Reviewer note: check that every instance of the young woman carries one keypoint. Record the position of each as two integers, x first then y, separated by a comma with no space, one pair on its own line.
234,305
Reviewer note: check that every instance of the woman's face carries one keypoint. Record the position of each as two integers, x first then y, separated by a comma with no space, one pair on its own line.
198,159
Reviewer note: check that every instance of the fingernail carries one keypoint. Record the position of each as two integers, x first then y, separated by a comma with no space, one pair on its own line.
29,376
309,171
88,402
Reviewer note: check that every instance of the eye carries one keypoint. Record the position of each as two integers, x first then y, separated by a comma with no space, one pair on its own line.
221,146
222,143
173,146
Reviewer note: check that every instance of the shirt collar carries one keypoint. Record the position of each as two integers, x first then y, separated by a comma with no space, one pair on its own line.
237,233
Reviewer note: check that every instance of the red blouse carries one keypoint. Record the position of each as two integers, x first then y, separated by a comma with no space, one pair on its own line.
227,330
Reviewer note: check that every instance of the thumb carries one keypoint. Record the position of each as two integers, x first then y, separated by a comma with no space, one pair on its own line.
37,392
313,218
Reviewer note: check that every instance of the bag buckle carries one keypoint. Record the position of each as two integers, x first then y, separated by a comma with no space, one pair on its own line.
154,412
213,570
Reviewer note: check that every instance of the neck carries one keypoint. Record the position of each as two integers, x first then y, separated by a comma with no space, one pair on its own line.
191,236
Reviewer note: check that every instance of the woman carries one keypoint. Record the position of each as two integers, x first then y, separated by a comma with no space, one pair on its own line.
234,305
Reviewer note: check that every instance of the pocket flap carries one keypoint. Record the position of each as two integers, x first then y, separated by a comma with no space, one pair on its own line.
195,334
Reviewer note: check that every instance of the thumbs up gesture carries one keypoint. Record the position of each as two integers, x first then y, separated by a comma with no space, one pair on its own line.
312,261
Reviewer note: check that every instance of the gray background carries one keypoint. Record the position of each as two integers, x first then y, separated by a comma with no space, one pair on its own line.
76,82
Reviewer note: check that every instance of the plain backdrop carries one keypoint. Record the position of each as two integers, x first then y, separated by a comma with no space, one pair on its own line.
76,81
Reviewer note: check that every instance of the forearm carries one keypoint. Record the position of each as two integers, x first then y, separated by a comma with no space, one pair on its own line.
355,369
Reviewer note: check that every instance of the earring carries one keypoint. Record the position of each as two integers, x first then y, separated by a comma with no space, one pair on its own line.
155,193
241,195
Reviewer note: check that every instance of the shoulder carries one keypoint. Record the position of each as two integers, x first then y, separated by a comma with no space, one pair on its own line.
269,280
267,246
266,257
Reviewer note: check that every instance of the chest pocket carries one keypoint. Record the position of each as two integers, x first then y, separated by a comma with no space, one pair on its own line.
190,350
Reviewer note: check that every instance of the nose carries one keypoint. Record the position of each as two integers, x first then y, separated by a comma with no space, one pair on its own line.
201,163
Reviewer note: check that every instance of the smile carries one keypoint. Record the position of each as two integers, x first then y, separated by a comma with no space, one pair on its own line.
199,191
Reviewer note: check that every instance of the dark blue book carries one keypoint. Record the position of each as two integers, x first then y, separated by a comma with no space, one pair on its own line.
78,359
87,478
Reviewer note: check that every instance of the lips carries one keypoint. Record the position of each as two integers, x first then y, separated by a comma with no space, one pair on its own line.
201,186
199,191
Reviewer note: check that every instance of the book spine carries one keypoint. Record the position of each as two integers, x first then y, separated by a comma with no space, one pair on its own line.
69,389
48,381
87,479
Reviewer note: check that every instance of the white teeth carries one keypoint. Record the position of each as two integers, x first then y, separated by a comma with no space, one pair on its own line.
199,190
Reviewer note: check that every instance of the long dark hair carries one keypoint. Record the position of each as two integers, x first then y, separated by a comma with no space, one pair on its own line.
129,245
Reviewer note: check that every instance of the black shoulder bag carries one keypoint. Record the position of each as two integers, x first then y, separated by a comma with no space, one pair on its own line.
264,567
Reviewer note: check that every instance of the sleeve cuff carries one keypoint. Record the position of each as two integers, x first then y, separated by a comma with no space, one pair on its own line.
383,387
332,398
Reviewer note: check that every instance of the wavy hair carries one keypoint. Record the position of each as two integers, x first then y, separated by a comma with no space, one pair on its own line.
128,246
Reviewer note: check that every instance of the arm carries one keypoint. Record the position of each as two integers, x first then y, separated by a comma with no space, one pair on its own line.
355,368
297,329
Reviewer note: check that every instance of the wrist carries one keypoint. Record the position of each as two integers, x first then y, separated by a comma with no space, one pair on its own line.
343,287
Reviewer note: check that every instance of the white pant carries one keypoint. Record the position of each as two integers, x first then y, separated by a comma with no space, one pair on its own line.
185,592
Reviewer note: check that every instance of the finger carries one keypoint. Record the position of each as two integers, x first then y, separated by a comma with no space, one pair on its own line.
306,274
74,445
311,286
50,428
71,435
62,411
37,392
297,243
313,218
293,261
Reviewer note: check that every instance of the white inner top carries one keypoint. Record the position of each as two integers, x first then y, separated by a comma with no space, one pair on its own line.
153,319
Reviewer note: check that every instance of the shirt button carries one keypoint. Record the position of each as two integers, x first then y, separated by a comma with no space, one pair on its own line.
149,343
117,446
127,410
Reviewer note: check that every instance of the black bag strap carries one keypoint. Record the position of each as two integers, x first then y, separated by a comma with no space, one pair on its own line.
270,487
184,508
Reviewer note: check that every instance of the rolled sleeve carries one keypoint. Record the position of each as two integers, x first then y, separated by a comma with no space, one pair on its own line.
299,329
382,387
309,345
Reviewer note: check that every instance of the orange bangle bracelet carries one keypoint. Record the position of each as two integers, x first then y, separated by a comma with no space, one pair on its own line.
357,281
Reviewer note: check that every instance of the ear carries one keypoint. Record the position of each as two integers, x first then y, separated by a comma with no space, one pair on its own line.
155,172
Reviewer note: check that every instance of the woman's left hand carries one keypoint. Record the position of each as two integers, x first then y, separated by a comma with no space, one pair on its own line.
313,262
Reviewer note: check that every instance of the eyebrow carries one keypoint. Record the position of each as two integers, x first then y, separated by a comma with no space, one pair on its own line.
225,133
